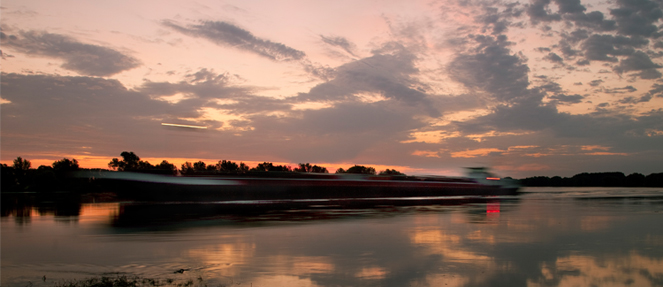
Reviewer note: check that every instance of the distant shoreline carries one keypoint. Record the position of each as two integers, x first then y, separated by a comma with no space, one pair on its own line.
598,179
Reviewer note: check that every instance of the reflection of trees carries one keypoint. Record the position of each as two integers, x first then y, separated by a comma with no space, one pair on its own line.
21,205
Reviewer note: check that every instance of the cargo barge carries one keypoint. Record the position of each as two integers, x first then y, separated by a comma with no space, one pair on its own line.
297,186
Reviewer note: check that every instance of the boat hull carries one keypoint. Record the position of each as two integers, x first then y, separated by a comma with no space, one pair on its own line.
243,188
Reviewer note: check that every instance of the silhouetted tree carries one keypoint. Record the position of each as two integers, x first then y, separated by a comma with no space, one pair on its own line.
45,167
635,180
144,165
165,165
243,168
654,180
199,166
280,168
21,164
340,170
268,166
7,178
65,164
307,167
187,168
360,169
130,162
391,172
21,167
226,166
556,181
265,166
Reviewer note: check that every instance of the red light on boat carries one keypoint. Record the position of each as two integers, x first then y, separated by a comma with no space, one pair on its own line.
492,178
493,207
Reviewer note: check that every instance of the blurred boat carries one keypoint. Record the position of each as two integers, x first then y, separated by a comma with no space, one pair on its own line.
289,186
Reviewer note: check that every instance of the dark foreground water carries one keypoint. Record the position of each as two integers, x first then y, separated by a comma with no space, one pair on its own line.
545,237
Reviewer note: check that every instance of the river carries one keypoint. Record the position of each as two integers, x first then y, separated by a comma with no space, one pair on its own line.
543,237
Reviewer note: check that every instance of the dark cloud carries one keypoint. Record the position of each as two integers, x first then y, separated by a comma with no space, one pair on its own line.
492,68
204,87
551,87
227,34
602,47
656,90
60,114
569,99
639,61
338,133
529,115
499,20
637,18
567,49
554,58
341,42
318,71
388,74
538,11
582,62
578,35
570,6
86,59
205,84
627,132
593,20
595,83
627,89
634,100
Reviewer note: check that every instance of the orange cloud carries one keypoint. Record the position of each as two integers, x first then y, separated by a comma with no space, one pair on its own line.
426,153
475,152
606,153
594,147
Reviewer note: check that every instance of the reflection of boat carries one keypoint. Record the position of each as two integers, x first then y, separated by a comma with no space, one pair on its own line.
276,185
175,215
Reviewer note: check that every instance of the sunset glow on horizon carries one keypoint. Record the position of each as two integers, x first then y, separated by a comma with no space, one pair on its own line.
425,87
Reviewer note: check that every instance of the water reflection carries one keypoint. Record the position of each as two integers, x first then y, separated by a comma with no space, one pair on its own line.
181,215
580,270
535,240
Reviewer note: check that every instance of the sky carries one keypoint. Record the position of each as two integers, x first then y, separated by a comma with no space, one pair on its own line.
543,87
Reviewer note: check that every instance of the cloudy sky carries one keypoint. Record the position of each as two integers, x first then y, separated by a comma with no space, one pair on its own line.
543,87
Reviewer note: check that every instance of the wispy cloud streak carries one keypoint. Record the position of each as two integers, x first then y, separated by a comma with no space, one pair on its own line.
227,34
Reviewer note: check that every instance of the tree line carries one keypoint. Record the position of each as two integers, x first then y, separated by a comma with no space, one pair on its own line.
21,175
131,162
604,179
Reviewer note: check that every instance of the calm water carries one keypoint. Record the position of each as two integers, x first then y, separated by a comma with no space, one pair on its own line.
545,237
